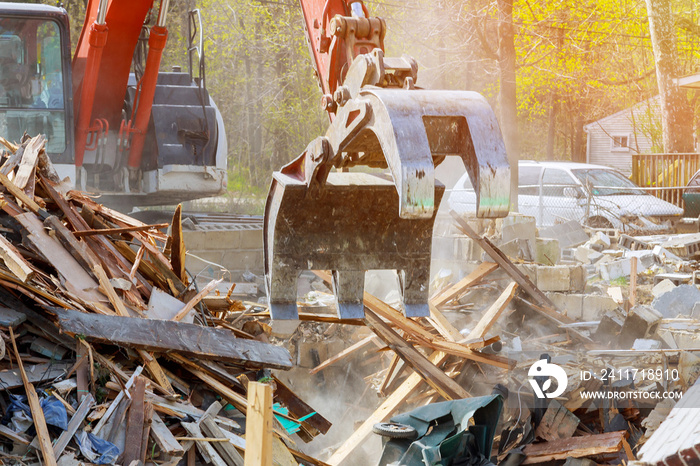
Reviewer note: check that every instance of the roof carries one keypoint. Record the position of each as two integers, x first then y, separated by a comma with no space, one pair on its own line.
29,9
561,164
653,100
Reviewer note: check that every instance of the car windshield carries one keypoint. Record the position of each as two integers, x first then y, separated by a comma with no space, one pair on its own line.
31,81
602,182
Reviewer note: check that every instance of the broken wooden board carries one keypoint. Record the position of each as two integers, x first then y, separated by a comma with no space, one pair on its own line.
461,286
170,336
575,447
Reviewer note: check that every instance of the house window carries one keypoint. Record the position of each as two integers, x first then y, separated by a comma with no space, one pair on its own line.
619,143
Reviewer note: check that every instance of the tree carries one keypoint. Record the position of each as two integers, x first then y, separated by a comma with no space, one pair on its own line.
676,113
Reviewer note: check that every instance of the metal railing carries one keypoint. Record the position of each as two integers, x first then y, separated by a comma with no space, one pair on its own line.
665,175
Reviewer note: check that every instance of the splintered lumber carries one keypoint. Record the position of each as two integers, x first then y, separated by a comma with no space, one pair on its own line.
259,425
30,157
113,407
165,440
14,260
461,286
205,448
115,231
166,336
134,423
15,437
42,431
177,247
547,308
575,447
406,389
225,449
445,386
195,300
73,425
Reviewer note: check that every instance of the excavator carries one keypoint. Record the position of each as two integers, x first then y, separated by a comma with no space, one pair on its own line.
364,196
137,138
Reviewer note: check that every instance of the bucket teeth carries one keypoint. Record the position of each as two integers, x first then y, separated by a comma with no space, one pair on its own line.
349,287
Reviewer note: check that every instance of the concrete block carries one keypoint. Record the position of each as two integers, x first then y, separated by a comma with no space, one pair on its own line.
678,301
645,259
569,303
662,287
587,255
594,306
641,322
516,226
578,277
569,234
600,239
547,251
608,329
555,278
518,249
615,269
642,344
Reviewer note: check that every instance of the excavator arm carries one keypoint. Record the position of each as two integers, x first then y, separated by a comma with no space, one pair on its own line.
349,222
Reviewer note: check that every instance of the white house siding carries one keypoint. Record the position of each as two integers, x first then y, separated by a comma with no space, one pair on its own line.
634,122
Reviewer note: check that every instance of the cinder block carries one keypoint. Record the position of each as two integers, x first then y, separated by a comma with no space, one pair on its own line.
251,239
547,251
615,269
555,278
642,322
578,277
594,306
569,303
530,270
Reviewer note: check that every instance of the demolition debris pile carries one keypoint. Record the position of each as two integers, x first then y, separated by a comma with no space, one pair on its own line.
110,354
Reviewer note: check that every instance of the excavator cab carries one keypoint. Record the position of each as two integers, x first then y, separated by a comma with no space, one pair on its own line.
35,76
325,211
116,124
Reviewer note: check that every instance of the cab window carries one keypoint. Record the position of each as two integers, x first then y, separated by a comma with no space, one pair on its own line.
31,81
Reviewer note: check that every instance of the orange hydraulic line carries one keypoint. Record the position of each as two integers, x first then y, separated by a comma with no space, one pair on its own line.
97,41
156,44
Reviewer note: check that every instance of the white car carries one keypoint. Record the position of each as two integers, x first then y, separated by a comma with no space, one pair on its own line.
594,195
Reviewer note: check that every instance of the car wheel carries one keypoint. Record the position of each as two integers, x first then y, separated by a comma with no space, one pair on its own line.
394,430
599,222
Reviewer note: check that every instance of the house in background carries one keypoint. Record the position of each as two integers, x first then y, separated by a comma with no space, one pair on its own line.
612,140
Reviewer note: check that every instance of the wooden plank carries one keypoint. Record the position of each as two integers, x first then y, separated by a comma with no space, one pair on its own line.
445,386
461,286
25,171
153,368
258,425
117,231
401,394
77,280
20,196
42,431
134,423
15,437
225,449
196,299
165,336
442,325
177,249
15,261
343,354
547,309
164,438
298,408
205,448
73,425
112,407
575,447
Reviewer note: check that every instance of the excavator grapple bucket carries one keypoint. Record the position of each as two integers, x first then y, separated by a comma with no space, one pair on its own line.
350,222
